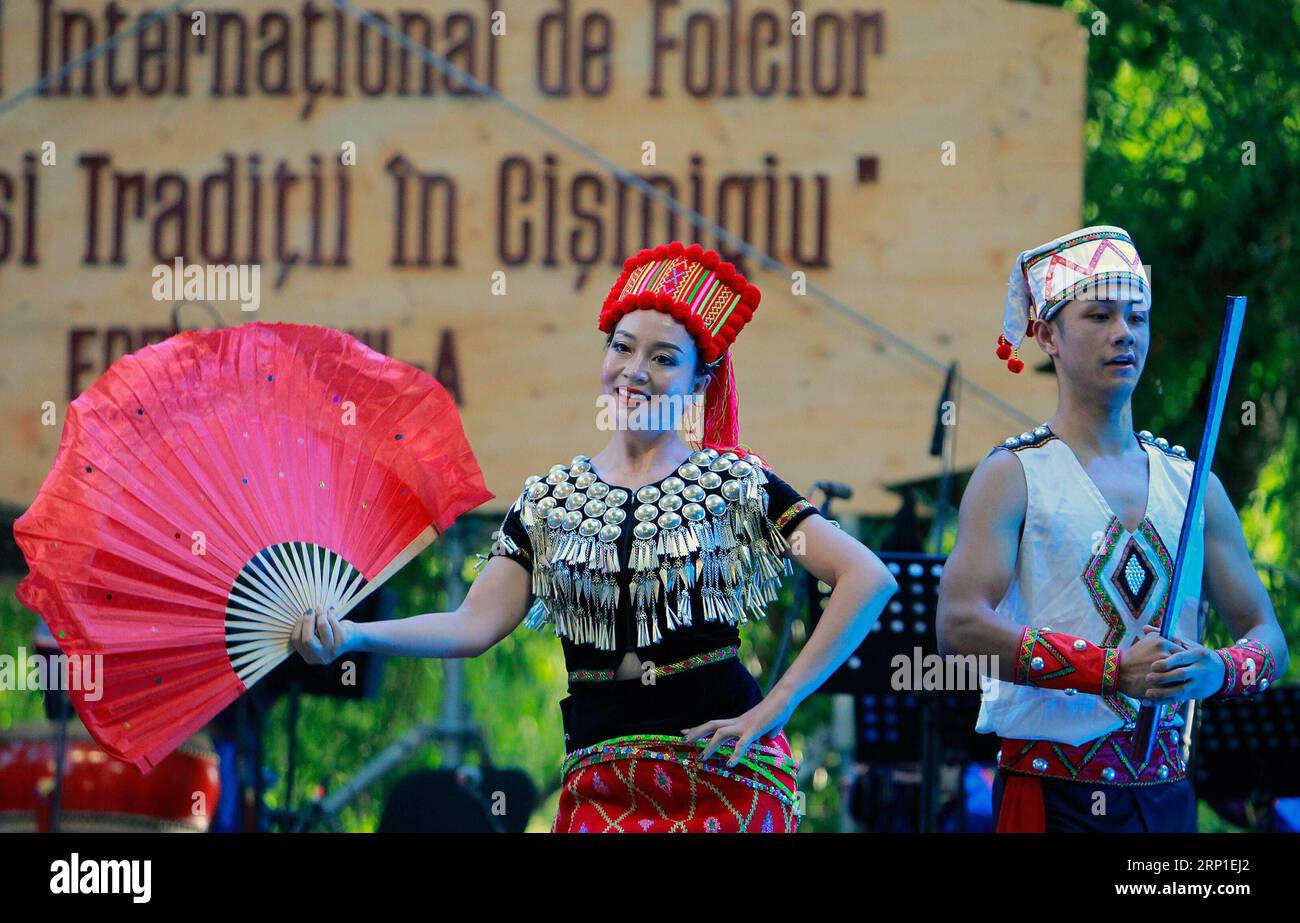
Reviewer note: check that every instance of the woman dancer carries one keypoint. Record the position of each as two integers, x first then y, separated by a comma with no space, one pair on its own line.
644,558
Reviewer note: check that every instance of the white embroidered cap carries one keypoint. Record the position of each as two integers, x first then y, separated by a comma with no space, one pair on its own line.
1100,261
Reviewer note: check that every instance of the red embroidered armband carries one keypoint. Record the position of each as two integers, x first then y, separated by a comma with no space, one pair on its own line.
1054,660
1248,668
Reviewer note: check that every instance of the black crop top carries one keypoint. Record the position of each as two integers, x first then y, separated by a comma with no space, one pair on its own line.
615,576
666,571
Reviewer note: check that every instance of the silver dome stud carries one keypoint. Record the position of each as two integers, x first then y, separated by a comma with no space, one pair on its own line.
670,503
648,494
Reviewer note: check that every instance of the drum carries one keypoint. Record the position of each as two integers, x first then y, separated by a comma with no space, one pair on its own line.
102,794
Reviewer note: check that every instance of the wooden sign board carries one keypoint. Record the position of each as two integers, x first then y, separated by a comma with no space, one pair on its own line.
897,154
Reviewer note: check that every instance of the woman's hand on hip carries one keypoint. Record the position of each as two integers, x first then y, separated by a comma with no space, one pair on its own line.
765,720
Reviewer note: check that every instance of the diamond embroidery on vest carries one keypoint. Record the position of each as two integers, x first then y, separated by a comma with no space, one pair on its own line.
1093,580
1134,578
1148,532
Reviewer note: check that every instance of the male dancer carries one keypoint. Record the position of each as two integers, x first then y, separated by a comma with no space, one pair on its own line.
1063,563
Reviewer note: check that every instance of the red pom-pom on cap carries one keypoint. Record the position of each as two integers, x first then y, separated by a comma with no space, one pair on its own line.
1004,351
1016,365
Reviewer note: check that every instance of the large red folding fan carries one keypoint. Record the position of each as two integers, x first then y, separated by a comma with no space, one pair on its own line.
209,489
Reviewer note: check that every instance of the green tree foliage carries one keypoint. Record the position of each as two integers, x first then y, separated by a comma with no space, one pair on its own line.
1193,144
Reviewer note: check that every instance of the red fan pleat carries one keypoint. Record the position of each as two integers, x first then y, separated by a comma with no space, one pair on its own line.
189,458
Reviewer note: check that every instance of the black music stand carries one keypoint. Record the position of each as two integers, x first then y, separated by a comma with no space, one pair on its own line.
909,723
1248,749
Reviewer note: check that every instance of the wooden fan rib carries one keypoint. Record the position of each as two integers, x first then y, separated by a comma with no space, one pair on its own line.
422,541
269,566
336,572
294,552
318,577
258,665
285,571
239,649
253,586
250,669
261,613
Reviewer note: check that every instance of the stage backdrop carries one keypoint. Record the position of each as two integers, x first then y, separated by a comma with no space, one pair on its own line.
897,155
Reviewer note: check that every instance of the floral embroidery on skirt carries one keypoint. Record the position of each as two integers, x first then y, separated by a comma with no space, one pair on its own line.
653,783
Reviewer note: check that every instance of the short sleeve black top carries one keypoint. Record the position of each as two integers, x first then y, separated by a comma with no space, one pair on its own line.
597,711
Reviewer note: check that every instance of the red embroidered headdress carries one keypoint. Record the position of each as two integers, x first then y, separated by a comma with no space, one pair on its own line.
708,297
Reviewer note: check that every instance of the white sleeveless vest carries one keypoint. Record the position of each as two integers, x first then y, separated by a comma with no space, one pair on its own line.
1080,571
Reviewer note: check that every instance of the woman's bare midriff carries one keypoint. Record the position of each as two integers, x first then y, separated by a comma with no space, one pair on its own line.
630,668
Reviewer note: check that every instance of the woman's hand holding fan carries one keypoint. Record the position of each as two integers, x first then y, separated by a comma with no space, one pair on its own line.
321,638
211,489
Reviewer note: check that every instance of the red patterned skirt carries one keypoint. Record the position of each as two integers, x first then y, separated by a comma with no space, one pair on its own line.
653,783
